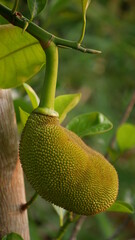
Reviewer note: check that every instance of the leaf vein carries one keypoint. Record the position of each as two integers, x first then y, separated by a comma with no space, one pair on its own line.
17,50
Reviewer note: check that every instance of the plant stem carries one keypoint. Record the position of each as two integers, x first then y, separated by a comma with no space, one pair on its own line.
15,6
83,31
63,229
65,226
84,10
39,33
77,227
46,105
124,118
128,109
27,204
120,228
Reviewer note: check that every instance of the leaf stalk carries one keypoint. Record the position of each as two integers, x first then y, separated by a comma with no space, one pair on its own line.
14,9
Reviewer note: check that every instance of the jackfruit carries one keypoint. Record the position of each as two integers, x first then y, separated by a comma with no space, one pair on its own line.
63,169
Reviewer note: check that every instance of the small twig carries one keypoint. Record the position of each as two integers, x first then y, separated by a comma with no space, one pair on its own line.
126,115
124,118
27,204
65,226
129,109
78,47
77,227
120,228
127,154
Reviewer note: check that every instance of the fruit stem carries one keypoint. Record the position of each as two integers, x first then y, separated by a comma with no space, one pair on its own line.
27,204
49,86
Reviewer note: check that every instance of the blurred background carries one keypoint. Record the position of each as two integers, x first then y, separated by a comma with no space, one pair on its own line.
107,83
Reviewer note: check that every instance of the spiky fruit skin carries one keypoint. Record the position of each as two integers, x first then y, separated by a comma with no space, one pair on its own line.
63,169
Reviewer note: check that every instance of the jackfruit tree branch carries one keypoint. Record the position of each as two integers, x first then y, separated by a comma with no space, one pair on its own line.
18,20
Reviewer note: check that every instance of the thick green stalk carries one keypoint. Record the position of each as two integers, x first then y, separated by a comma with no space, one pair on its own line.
46,105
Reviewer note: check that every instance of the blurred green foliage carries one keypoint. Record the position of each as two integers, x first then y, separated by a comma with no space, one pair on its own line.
107,83
12,236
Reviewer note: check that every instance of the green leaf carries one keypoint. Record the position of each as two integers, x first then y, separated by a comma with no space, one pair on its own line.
61,213
85,4
120,206
12,236
23,116
89,124
21,56
65,103
32,95
126,136
36,6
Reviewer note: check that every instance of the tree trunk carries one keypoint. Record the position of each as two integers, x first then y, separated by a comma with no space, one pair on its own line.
12,193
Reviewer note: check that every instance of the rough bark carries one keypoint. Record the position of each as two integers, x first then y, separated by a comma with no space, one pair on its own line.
12,193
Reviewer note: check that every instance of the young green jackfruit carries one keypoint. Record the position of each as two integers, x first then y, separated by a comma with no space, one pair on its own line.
63,169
